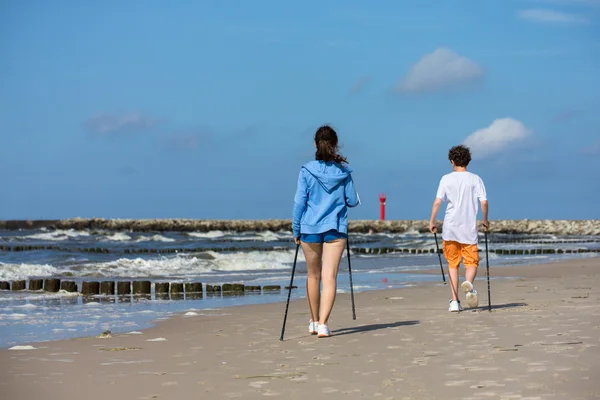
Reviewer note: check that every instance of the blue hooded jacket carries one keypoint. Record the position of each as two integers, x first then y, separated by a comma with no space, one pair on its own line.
325,191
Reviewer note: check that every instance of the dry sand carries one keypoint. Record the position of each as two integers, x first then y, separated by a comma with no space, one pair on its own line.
541,341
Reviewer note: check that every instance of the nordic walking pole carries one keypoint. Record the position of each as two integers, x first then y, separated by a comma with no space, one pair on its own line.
487,264
350,272
289,293
439,256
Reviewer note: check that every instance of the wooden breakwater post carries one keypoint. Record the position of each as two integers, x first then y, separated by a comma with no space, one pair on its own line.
161,290
212,290
193,290
18,285
107,287
90,288
68,286
142,287
233,289
36,284
123,288
176,290
52,285
4,285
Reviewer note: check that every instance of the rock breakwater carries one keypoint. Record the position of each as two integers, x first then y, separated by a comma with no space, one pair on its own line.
548,227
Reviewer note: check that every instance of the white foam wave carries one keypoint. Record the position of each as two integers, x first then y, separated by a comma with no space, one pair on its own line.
23,348
265,236
155,238
262,236
118,237
12,272
184,265
254,260
57,235
207,235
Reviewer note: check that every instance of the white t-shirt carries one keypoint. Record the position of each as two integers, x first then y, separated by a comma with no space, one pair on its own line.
462,191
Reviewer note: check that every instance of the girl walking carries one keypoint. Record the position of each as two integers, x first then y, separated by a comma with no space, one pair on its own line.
320,223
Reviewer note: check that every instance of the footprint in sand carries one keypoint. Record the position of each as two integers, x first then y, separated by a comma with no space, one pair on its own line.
270,393
456,383
390,382
485,384
258,384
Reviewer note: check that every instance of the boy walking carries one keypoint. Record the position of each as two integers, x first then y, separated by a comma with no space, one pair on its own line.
461,190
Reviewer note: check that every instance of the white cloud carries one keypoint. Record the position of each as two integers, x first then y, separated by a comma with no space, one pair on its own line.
108,124
501,134
438,70
553,17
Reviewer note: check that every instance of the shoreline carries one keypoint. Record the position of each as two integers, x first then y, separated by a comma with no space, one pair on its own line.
540,341
177,305
547,227
514,272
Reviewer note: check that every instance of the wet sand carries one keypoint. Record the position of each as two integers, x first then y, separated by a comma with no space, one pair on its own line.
541,341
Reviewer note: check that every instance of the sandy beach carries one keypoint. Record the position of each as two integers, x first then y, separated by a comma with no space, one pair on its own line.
541,341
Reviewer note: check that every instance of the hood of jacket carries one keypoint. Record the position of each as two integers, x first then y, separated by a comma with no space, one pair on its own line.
328,174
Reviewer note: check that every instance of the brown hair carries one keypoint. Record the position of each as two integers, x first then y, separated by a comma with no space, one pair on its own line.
461,155
327,146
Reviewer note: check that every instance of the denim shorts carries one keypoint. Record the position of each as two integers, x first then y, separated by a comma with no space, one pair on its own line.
324,237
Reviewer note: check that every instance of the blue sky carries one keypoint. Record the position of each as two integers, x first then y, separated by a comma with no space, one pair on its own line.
205,109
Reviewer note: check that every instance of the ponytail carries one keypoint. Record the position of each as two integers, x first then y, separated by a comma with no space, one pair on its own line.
327,146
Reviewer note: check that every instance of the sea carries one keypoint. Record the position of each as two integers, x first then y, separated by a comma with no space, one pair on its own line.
213,258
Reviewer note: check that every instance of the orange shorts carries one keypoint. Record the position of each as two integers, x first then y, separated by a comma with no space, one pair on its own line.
454,252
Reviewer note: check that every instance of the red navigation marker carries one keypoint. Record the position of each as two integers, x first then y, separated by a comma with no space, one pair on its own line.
382,206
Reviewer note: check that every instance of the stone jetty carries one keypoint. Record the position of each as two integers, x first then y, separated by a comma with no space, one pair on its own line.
551,227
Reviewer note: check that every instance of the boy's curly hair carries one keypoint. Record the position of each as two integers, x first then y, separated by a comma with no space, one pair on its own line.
461,155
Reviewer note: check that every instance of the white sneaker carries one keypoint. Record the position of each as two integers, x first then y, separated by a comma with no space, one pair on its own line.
324,331
472,300
455,306
313,327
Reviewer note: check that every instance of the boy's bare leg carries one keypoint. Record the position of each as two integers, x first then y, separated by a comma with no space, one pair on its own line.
313,253
471,274
332,253
453,274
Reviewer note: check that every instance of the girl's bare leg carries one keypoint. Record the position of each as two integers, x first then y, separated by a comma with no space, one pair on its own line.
332,254
313,253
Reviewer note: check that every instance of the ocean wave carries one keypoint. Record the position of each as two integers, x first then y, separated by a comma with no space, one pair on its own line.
12,272
184,265
207,235
57,235
254,260
118,237
262,236
155,238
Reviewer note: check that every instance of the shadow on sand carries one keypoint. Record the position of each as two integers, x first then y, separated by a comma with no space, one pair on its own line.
374,327
500,306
